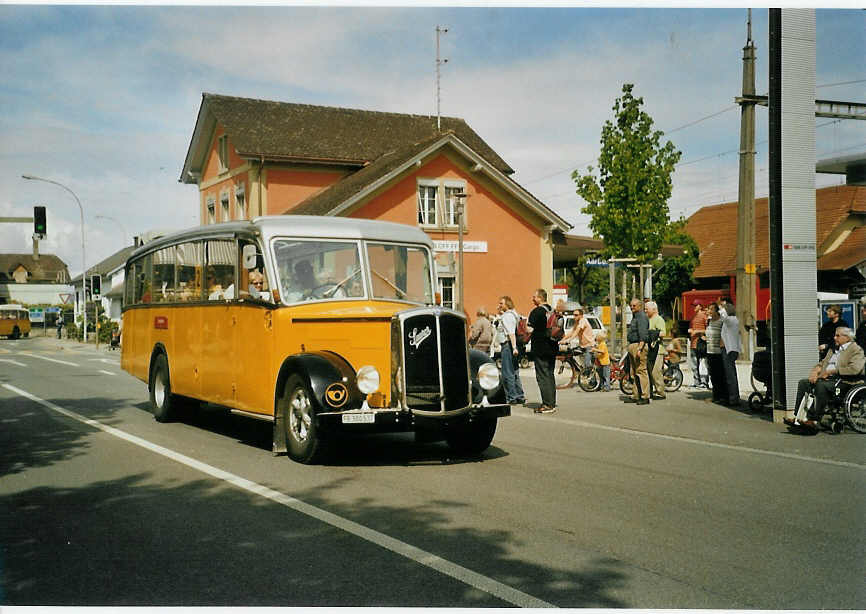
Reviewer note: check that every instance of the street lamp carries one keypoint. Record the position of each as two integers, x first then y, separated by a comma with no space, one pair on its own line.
119,225
83,265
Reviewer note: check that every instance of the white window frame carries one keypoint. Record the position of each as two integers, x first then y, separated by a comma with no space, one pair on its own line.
240,202
424,217
440,279
210,205
223,153
225,211
445,210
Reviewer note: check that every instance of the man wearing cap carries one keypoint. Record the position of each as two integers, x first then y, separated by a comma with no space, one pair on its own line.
697,330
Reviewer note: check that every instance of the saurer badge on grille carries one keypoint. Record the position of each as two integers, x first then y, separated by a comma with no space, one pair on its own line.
416,338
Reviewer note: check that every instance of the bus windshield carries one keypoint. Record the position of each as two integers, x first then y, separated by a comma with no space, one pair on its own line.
318,270
332,270
400,271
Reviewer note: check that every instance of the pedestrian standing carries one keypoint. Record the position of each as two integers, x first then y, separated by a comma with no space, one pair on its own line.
543,352
731,346
697,341
508,319
481,332
714,355
603,356
638,341
59,325
655,358
827,332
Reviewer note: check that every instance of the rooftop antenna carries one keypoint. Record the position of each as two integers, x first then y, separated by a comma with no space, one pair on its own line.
439,30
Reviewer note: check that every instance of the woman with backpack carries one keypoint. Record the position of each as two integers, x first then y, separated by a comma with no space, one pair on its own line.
508,319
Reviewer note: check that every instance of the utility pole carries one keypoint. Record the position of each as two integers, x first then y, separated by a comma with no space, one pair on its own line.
439,30
746,275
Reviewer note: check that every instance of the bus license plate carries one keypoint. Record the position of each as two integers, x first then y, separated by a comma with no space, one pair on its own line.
365,418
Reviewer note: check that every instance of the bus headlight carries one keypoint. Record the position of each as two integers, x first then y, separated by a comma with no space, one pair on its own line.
488,376
367,379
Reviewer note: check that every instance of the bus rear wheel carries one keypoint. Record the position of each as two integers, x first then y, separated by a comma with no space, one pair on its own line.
162,401
303,441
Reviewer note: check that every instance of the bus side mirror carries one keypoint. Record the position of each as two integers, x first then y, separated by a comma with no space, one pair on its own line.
249,255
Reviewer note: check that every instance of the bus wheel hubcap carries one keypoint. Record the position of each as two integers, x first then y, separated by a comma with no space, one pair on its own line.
299,415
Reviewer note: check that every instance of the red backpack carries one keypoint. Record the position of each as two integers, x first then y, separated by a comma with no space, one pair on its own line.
555,325
522,333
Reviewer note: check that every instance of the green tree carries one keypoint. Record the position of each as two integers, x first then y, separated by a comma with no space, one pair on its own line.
628,199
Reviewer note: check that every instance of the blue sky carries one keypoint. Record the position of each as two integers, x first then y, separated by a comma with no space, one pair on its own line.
104,98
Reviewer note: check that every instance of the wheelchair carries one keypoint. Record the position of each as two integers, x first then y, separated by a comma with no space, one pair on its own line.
846,406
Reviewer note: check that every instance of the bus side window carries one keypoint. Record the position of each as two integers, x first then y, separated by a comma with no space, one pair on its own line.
189,264
222,258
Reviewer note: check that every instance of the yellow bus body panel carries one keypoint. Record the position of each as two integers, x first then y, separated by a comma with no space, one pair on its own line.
230,353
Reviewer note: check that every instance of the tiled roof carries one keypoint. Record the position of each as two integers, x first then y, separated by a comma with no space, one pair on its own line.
282,130
115,260
44,269
714,228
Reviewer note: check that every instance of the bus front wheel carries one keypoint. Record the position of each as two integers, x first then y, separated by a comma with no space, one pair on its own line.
303,441
161,399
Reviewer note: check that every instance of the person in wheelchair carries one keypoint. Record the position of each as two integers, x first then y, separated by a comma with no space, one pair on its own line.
844,365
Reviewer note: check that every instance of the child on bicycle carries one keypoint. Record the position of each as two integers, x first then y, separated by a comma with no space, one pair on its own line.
602,357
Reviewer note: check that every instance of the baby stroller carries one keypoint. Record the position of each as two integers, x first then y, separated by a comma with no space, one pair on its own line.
762,377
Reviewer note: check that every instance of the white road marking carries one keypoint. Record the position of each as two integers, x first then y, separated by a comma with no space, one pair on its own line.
14,362
106,372
106,360
690,440
62,362
428,559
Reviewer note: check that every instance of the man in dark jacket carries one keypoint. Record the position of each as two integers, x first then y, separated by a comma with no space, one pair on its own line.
826,340
638,347
543,352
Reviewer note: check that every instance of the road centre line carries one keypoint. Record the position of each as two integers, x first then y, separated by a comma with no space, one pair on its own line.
428,559
681,439
106,372
62,362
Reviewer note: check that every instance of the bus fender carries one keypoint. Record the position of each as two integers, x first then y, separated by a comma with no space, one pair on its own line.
321,370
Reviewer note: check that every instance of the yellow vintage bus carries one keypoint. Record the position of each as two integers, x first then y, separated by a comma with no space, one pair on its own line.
14,321
317,324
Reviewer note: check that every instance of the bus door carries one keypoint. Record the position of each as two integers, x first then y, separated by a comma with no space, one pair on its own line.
218,323
254,368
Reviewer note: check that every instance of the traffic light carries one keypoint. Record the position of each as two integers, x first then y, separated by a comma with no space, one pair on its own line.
96,286
39,227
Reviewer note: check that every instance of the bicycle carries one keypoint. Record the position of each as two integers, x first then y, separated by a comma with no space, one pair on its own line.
672,376
566,369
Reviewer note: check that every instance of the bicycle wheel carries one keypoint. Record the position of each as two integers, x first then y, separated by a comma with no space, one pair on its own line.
626,385
589,380
673,377
855,408
563,373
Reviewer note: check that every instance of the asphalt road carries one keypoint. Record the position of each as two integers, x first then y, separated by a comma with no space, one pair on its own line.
679,504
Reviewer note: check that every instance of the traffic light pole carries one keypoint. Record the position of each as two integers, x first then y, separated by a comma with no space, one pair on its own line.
83,260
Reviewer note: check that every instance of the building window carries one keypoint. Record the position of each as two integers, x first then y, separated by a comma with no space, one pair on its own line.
446,291
437,203
223,153
427,205
211,210
224,205
240,202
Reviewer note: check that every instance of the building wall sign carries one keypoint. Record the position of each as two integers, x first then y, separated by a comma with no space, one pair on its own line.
479,247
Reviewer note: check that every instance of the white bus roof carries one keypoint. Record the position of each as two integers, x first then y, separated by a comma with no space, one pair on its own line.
302,226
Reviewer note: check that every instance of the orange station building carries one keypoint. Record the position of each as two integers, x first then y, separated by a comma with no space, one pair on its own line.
255,157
